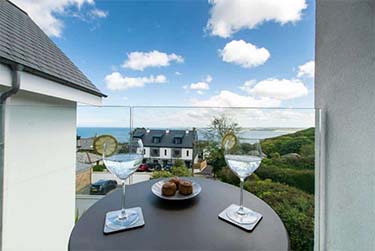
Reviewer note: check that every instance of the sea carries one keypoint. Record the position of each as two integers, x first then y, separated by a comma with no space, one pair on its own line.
122,134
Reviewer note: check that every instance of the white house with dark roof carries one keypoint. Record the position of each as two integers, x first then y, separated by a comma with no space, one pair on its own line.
167,146
40,88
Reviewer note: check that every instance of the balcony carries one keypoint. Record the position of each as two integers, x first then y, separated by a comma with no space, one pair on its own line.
285,168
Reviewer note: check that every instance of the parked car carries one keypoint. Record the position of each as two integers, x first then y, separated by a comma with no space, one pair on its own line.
103,186
154,166
143,168
167,166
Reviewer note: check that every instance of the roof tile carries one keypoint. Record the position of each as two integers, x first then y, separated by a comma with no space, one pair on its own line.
23,42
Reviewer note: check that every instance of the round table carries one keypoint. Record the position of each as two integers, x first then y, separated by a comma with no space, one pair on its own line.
180,225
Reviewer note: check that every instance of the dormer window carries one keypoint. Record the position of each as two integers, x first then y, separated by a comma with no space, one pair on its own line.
177,141
156,140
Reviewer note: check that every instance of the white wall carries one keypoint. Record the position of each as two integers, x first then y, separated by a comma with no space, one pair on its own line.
345,89
163,155
39,173
43,86
186,154
147,152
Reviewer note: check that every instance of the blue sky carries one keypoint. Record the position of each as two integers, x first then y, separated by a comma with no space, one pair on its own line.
99,47
256,53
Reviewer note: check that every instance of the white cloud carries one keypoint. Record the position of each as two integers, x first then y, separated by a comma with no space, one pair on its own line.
280,89
244,54
200,86
203,86
178,73
230,99
98,13
209,79
229,16
43,12
115,81
140,60
307,69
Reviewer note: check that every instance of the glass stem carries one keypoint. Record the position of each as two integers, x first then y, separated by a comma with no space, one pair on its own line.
123,214
240,209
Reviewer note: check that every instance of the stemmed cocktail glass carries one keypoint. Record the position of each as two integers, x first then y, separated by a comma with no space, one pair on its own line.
123,165
243,156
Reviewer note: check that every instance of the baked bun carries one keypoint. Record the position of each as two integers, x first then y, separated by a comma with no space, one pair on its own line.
186,187
175,180
168,189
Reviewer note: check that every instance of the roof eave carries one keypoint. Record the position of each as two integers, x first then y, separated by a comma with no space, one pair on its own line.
53,78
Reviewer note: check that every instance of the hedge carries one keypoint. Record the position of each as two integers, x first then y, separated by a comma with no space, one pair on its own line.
227,176
294,207
302,179
98,168
175,171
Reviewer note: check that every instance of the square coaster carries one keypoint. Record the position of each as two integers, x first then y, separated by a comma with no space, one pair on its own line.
110,228
247,227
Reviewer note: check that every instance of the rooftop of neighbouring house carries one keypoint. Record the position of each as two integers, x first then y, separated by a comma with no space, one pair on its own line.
166,138
23,42
85,144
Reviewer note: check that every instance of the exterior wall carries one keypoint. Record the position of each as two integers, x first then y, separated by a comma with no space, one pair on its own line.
83,179
345,89
147,152
43,86
162,153
39,173
184,155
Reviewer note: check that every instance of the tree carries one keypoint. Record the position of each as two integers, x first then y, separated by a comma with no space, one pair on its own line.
218,128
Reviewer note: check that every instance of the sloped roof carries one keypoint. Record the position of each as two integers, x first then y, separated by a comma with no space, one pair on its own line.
88,158
166,139
85,143
23,42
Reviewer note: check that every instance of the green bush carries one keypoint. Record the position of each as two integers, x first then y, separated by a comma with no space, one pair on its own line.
161,174
227,176
295,208
98,168
301,142
300,163
179,171
179,163
302,179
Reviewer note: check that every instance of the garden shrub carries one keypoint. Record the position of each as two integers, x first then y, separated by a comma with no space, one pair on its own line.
302,179
161,174
180,171
175,171
98,168
227,176
294,207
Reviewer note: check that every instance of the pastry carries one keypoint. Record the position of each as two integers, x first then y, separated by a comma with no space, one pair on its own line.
175,180
168,189
185,187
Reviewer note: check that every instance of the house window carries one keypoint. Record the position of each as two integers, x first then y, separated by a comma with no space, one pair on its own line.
187,153
165,152
154,152
144,151
177,141
156,140
176,153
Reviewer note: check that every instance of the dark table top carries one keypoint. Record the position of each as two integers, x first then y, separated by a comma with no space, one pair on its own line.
183,225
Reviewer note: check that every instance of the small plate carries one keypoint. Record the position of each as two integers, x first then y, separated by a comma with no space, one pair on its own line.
156,189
